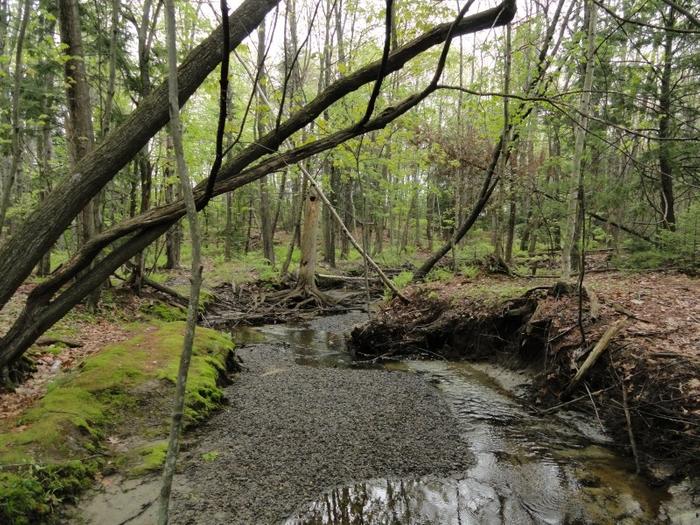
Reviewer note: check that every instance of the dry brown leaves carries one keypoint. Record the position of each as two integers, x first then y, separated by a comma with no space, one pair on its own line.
93,335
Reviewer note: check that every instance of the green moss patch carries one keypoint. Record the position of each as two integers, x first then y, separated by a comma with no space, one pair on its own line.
148,458
49,453
164,312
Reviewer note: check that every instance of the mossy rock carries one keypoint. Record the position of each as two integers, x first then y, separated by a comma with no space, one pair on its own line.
52,439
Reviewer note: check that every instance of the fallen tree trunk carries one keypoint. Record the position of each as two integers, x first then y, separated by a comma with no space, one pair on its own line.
174,294
343,279
48,341
42,310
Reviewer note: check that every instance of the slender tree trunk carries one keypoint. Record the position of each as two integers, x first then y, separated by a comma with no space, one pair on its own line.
173,239
265,208
575,201
668,218
196,270
109,102
228,229
16,125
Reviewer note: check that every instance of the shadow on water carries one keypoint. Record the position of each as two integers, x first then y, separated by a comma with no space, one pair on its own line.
527,468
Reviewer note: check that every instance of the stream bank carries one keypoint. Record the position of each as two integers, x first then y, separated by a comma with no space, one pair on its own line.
108,414
655,359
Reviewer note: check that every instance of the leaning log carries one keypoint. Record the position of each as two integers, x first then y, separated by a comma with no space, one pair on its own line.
354,242
597,351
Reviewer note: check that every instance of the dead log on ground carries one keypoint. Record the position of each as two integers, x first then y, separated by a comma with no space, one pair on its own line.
48,341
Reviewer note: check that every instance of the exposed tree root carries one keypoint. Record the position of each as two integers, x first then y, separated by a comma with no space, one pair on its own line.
301,296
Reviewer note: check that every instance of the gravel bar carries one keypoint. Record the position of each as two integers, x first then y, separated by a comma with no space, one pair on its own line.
292,431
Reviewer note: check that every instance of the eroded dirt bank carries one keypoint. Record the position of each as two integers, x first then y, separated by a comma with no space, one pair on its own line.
655,359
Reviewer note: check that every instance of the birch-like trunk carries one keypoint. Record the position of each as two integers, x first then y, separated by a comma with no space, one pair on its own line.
196,270
575,201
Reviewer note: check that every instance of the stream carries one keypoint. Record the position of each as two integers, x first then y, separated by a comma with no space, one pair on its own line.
527,468
524,467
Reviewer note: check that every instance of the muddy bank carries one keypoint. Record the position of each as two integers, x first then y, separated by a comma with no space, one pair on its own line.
655,359
293,430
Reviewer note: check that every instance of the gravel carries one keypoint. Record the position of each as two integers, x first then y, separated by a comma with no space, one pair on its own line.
292,431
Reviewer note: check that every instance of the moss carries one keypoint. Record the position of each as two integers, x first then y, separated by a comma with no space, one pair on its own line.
210,456
491,294
149,458
164,312
34,494
69,423
209,356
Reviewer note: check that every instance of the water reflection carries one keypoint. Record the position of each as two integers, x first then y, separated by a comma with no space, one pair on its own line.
311,344
527,469
425,500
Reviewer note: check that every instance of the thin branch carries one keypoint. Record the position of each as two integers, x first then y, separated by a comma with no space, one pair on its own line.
382,68
223,105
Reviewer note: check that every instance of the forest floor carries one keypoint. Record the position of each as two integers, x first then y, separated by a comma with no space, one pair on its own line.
528,322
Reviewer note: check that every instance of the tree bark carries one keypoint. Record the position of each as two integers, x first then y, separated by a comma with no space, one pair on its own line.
80,132
16,125
387,282
173,239
309,234
668,218
265,208
196,270
41,311
572,221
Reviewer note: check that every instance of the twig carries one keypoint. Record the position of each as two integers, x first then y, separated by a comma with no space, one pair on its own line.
572,401
595,409
628,417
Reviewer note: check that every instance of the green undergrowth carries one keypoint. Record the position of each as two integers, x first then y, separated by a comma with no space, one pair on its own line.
52,451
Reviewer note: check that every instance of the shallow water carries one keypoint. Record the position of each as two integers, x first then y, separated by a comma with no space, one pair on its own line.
527,468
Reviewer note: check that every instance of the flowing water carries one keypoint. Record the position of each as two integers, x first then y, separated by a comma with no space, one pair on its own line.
528,468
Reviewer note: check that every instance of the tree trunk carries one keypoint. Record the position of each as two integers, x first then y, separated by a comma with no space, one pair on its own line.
16,125
575,202
309,233
47,222
79,121
265,208
228,229
42,309
173,239
196,270
668,218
